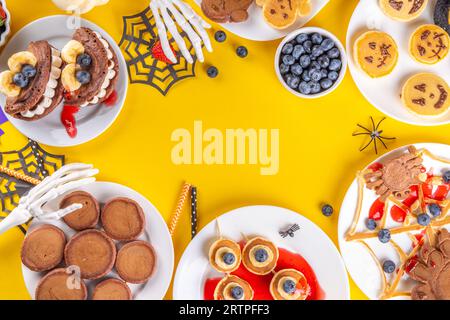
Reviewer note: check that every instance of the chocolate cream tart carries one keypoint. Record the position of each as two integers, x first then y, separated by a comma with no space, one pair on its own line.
136,262
84,218
123,219
112,289
233,288
93,252
58,285
289,284
225,255
43,248
260,256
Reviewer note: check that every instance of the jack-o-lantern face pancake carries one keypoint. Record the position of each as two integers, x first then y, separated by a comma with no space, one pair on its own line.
84,218
403,10
289,284
43,248
60,285
136,262
112,289
429,44
225,255
233,288
260,256
426,94
93,252
376,53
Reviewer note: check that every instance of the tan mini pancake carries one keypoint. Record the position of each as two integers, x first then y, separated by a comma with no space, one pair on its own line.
300,290
43,248
376,53
281,14
224,289
250,259
136,262
112,289
403,10
123,219
93,252
84,218
429,44
220,250
54,286
426,94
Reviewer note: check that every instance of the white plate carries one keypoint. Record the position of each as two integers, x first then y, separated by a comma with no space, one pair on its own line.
384,93
156,232
311,242
256,28
91,121
359,262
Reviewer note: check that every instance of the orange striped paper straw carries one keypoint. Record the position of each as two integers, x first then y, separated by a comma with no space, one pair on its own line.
179,208
19,175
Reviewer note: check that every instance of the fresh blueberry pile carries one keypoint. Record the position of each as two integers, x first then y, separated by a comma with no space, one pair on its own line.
310,63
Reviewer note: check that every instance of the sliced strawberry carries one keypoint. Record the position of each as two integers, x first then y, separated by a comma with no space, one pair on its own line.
158,53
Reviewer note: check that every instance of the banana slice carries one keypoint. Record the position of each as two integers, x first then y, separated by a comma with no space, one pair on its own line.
7,86
69,79
19,59
71,51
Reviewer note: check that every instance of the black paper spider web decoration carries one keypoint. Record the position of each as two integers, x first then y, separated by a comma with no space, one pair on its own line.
139,35
33,161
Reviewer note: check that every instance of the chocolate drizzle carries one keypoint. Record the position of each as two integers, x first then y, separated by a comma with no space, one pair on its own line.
372,45
421,87
396,5
416,6
443,94
420,101
369,59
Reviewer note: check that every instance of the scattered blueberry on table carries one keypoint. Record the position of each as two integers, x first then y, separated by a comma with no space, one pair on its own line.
212,72
389,266
220,36
327,210
242,51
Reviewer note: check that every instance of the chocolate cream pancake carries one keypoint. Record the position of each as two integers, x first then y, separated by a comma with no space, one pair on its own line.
123,219
136,262
93,252
43,248
112,289
84,218
59,285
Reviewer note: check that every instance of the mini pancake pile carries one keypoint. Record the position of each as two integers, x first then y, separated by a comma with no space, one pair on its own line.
259,256
92,253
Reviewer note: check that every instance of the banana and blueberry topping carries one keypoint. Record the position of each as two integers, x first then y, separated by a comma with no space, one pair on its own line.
76,73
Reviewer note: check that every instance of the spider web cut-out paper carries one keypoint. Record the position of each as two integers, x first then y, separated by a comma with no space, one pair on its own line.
139,36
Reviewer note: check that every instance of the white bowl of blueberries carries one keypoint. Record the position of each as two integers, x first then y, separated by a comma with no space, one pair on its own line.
310,62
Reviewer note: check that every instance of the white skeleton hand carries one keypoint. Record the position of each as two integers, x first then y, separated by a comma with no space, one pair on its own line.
186,18
66,179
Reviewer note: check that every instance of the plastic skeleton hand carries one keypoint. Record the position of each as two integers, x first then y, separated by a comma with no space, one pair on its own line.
30,206
186,18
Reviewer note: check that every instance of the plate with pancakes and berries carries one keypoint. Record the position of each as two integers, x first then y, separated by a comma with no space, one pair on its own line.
261,253
394,222
63,81
399,58
116,247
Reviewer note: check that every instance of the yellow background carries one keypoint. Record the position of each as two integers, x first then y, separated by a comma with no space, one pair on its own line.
318,155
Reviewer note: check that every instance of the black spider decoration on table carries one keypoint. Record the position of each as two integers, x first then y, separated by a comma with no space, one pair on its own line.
138,38
375,135
290,232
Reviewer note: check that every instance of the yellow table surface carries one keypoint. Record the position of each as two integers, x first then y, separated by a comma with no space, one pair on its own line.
318,155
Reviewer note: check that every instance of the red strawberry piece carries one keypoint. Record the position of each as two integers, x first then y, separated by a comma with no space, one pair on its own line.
111,100
158,53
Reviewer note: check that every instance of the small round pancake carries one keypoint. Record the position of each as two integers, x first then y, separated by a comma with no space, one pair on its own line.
249,258
43,248
123,219
217,252
302,288
224,287
403,10
84,218
429,44
136,262
93,252
112,289
56,285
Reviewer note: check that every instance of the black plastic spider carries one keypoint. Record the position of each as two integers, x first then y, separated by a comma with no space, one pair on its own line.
375,134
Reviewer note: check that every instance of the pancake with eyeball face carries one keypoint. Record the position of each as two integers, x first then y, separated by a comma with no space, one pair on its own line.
31,85
289,284
260,256
233,288
225,255
92,69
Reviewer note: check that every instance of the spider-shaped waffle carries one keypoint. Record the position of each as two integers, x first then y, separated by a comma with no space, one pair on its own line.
375,135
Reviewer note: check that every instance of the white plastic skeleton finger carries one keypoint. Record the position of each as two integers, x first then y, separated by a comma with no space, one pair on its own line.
17,217
61,213
162,33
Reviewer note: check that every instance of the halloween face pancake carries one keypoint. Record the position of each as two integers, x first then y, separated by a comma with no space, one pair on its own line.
233,288
43,248
54,286
123,219
403,10
289,284
225,255
136,262
442,14
226,10
429,44
84,218
260,256
93,252
112,289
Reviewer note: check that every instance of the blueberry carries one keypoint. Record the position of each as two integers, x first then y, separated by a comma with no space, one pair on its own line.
327,44
423,219
242,51
308,46
326,83
302,37
296,69
384,235
84,60
20,80
324,61
324,73
212,72
371,224
237,293
305,76
293,82
316,65
220,36
316,51
298,51
304,88
261,255
305,61
29,71
316,38
315,74
289,286
315,87
284,68
446,176
333,75
389,266
229,258
335,65
334,53
327,210
434,209
288,60
287,48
